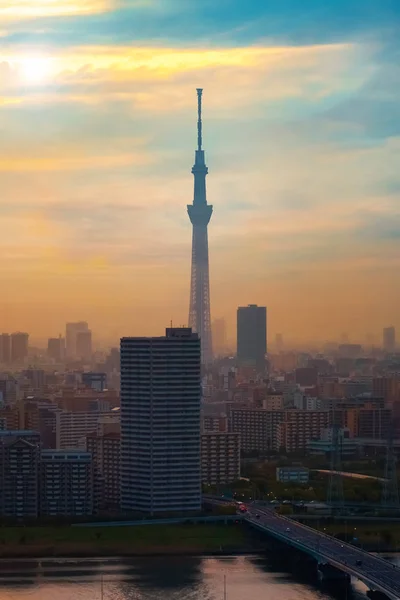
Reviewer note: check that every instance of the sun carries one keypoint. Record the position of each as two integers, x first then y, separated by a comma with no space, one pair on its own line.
35,69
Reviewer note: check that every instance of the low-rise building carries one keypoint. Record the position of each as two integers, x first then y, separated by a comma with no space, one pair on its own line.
292,474
323,445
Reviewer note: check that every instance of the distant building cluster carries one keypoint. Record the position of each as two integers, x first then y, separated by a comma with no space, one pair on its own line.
139,429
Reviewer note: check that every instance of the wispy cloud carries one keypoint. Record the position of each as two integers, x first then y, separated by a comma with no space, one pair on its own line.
28,9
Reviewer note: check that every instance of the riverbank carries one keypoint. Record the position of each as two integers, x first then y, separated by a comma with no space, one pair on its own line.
149,540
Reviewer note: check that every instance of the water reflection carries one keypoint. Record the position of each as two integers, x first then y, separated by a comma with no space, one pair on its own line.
167,578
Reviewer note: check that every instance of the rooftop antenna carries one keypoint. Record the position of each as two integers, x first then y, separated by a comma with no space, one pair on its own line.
199,123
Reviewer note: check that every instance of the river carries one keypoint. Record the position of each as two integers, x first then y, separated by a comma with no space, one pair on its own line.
246,577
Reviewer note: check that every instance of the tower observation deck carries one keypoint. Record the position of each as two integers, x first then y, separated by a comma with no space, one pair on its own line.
200,214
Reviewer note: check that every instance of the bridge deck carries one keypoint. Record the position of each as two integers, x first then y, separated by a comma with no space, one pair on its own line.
374,571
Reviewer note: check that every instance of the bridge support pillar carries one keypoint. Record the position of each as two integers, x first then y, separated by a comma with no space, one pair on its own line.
328,574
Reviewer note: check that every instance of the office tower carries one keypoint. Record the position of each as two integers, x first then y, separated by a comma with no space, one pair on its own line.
200,214
389,339
19,346
19,473
105,449
5,348
95,381
220,457
219,335
56,348
72,329
252,336
66,483
160,422
84,345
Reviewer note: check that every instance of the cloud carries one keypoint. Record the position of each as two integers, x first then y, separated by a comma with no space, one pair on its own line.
31,9
95,177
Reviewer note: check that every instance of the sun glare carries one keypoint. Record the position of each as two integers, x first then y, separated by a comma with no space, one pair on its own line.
35,69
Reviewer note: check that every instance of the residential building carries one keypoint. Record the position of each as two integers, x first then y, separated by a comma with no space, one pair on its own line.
374,423
216,424
105,450
66,483
388,388
160,423
73,427
19,473
273,402
257,428
299,427
220,457
292,474
252,336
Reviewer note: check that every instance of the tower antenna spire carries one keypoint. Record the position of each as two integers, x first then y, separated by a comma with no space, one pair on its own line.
199,122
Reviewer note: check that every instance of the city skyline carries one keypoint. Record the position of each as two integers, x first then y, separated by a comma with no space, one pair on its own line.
97,131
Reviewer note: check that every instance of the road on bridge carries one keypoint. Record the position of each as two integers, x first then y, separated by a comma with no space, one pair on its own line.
376,572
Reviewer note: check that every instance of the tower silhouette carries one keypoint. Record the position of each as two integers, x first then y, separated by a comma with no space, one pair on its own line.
200,214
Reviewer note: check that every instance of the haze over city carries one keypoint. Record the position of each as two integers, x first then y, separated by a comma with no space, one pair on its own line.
301,133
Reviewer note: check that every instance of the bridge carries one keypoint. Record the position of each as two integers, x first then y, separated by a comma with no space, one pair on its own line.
381,577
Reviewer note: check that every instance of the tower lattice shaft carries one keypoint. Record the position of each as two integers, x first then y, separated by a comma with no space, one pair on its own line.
200,214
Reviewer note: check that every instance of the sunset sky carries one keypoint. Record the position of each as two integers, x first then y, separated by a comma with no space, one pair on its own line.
302,140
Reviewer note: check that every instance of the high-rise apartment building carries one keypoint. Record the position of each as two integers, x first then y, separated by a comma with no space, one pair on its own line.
5,348
66,483
19,346
252,336
19,473
72,329
56,348
389,339
105,450
160,422
84,345
220,457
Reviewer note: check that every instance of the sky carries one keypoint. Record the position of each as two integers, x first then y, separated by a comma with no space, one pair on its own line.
302,138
